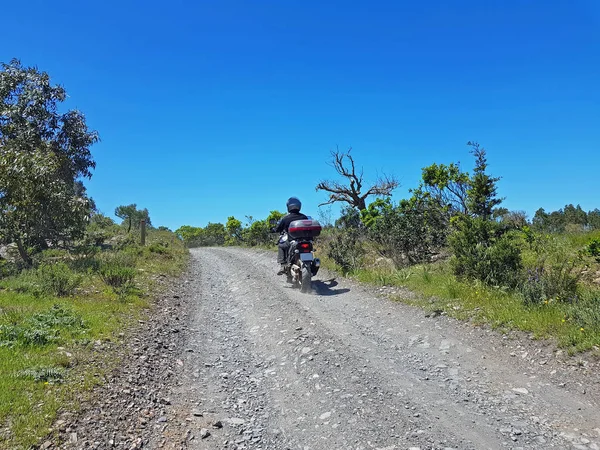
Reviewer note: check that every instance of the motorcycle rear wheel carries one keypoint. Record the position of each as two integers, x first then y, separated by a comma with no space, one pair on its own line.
305,283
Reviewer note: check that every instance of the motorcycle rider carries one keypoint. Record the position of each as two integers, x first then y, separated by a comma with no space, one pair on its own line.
293,206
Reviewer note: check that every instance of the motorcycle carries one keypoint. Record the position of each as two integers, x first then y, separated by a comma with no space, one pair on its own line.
301,264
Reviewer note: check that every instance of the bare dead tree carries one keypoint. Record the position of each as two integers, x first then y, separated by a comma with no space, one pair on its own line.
352,192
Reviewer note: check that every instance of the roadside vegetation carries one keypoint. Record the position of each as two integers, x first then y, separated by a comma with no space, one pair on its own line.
72,281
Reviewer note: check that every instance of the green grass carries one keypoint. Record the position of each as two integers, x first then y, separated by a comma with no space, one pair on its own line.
47,342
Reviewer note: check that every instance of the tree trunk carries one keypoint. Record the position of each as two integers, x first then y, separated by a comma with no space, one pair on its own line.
23,252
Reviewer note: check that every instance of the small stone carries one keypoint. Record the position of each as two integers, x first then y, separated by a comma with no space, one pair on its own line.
197,413
165,401
45,445
73,438
236,421
520,391
204,433
325,416
161,419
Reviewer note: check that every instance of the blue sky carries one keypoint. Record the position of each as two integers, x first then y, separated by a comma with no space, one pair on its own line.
215,108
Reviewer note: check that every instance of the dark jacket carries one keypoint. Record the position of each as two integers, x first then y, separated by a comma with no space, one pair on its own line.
284,223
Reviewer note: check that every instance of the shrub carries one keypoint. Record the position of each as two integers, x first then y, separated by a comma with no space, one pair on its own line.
58,279
593,249
161,248
86,263
411,232
585,312
346,249
482,251
117,270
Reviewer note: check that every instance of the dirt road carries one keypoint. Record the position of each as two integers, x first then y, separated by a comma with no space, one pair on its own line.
266,367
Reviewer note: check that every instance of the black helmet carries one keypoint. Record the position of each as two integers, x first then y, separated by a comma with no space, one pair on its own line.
293,204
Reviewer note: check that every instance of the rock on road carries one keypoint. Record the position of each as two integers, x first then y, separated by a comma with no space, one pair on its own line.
267,367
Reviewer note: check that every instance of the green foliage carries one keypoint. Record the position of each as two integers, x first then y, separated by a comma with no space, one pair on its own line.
132,216
557,283
447,185
411,232
570,217
44,153
211,235
375,210
346,249
483,251
593,249
350,218
45,374
118,271
585,312
99,229
58,279
234,231
40,329
481,195
160,247
258,233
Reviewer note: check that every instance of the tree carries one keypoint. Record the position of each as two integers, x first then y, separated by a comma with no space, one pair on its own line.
214,234
353,193
132,216
234,231
448,185
43,156
594,219
575,215
481,195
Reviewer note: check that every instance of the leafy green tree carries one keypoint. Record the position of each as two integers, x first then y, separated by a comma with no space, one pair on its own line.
214,234
189,234
43,155
234,231
447,185
132,216
575,215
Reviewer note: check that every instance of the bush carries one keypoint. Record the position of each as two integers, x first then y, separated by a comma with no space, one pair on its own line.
585,312
482,251
593,249
346,249
410,233
117,271
58,279
161,248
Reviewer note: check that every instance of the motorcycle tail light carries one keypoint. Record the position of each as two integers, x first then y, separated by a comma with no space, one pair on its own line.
305,247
